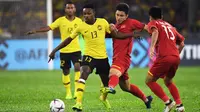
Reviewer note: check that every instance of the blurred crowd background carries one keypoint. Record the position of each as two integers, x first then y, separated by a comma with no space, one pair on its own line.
20,16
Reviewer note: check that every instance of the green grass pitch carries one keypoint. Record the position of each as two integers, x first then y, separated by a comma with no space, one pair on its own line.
32,91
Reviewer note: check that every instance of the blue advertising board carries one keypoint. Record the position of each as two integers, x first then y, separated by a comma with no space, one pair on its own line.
24,54
33,54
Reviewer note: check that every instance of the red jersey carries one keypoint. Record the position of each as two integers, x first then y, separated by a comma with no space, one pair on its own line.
122,48
167,38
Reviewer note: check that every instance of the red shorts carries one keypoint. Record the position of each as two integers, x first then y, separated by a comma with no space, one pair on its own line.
164,66
122,67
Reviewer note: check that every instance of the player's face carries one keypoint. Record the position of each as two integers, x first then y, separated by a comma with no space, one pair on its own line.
88,14
120,16
70,9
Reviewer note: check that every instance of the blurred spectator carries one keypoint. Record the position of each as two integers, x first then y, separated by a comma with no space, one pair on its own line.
4,33
24,15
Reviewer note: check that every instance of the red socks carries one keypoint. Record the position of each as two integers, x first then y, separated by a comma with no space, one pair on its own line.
158,91
114,80
137,92
174,92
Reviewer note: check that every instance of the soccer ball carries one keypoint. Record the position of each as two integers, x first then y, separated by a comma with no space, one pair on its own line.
57,105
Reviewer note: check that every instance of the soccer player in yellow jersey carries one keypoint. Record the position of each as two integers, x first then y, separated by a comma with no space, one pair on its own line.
72,52
95,55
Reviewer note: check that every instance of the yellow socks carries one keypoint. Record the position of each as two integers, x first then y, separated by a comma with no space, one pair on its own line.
77,76
103,96
67,85
80,90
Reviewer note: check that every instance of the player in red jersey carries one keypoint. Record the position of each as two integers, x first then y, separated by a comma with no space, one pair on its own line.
165,39
122,49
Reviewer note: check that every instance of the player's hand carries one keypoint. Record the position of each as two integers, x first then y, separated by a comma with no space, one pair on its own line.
152,53
51,56
112,27
30,32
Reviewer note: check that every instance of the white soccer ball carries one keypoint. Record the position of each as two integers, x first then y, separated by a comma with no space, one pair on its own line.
57,105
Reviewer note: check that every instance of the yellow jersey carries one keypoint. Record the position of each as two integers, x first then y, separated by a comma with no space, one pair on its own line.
66,27
94,37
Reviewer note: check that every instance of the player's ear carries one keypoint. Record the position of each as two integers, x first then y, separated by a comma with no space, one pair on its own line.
126,15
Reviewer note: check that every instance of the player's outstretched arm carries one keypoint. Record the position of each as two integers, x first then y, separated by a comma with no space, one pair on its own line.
60,46
42,29
119,35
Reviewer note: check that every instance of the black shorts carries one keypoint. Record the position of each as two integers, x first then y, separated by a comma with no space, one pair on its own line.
102,65
66,58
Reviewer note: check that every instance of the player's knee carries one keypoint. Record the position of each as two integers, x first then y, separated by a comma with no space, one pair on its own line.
150,78
114,72
85,71
65,71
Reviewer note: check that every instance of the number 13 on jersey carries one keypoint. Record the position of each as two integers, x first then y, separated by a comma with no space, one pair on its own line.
94,34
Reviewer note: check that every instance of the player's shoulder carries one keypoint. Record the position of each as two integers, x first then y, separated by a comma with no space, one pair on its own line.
168,24
61,18
131,21
78,19
101,20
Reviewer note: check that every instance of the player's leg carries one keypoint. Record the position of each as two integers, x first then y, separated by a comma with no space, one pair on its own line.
159,92
103,72
125,85
103,96
76,58
172,87
114,75
86,69
65,65
159,69
175,94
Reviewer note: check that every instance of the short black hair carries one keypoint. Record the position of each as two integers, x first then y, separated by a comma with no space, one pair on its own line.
89,5
155,12
123,7
69,2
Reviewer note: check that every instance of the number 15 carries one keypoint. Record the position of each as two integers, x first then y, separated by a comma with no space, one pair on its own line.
168,31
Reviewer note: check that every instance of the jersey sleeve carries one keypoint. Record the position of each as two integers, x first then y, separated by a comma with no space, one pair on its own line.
75,33
137,25
55,24
107,26
151,25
